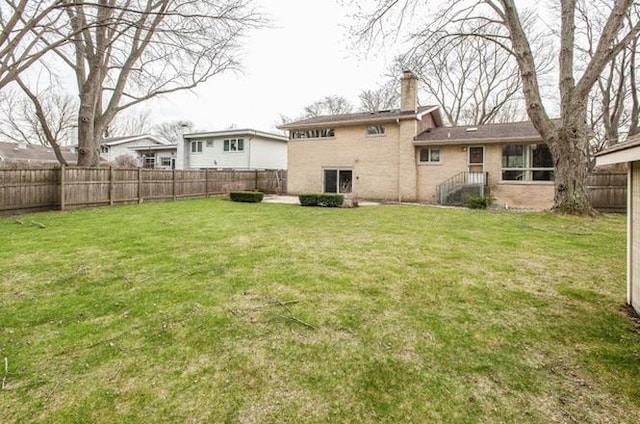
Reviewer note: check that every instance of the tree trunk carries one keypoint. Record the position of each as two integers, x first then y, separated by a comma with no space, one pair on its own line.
569,151
87,150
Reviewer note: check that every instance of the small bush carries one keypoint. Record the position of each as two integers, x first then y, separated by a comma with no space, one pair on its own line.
321,199
478,202
246,196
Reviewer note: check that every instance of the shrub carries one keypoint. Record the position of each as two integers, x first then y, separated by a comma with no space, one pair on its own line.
321,199
478,202
246,196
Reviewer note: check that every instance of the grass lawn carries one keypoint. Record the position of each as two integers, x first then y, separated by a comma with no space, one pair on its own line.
213,311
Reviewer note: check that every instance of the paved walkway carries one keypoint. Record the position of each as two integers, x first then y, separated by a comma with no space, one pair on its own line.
272,198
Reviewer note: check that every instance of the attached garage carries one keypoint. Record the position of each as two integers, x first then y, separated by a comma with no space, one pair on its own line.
629,153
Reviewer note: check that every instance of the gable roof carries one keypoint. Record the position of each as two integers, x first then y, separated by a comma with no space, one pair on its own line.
24,152
364,118
114,141
236,133
489,133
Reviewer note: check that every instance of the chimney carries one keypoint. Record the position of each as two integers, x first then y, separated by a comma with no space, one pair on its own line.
408,92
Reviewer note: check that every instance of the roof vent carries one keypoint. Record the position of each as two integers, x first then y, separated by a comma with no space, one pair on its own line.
471,129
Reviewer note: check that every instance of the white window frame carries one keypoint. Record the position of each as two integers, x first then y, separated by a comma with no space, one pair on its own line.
430,151
233,145
196,146
148,159
527,169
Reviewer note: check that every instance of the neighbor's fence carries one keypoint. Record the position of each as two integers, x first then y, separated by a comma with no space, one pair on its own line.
608,191
75,187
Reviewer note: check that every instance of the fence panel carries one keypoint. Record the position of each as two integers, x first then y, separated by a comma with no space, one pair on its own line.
29,188
74,187
608,191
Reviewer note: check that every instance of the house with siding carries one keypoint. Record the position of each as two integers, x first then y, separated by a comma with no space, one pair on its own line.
146,150
629,153
233,149
407,155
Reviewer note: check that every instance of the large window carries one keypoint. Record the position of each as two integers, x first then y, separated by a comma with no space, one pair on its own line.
429,155
316,133
527,162
196,147
234,145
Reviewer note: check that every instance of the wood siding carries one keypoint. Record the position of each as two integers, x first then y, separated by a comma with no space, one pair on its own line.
74,187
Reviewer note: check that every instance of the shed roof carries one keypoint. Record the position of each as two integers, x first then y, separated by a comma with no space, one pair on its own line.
628,151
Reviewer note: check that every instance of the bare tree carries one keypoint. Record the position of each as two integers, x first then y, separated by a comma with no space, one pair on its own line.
172,131
474,81
45,117
126,52
330,105
134,123
613,103
24,25
385,97
501,21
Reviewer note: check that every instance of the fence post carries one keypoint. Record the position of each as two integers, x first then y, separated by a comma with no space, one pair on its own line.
111,186
173,189
139,185
206,182
62,194
256,184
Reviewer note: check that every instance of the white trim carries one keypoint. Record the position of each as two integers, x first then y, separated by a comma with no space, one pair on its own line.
630,223
236,133
135,138
630,154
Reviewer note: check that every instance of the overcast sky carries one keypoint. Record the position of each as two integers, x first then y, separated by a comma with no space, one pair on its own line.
303,57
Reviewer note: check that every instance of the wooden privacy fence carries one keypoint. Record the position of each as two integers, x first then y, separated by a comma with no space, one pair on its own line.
75,187
608,191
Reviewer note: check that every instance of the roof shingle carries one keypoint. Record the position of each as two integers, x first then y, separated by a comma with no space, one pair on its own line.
357,118
524,131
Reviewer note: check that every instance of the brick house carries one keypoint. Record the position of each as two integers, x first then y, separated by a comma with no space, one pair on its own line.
407,155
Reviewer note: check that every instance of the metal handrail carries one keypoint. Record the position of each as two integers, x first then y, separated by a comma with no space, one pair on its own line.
455,182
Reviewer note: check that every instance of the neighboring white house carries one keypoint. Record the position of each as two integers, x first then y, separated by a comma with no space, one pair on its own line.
149,151
233,149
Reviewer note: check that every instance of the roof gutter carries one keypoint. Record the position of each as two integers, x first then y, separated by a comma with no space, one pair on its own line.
448,141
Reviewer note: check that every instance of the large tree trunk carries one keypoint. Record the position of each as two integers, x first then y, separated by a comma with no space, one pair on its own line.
569,152
88,154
